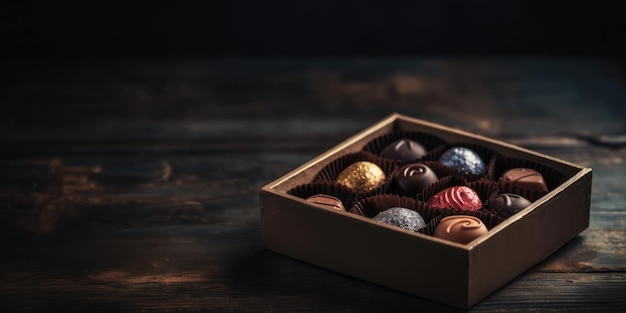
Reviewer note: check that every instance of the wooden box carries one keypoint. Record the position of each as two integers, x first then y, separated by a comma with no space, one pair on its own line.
458,275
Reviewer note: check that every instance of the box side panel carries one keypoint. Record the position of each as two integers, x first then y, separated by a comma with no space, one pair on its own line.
527,241
364,249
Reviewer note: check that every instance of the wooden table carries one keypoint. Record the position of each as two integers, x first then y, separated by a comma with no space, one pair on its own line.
132,185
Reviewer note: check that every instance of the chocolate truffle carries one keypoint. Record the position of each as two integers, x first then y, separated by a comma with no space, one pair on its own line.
508,203
362,177
404,150
460,228
463,160
522,178
412,179
326,201
456,197
401,217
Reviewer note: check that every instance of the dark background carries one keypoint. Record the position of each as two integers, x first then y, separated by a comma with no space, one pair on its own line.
35,29
136,141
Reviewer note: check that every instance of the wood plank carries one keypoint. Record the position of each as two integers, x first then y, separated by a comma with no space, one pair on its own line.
193,291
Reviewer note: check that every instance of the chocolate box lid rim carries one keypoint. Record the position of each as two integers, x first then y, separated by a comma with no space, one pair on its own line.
581,171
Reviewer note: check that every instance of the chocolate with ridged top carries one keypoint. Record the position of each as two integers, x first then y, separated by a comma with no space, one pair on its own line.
463,160
460,228
404,150
326,201
401,217
508,203
522,178
456,197
412,179
362,177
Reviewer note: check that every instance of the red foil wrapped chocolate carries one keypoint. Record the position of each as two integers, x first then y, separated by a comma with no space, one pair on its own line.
456,197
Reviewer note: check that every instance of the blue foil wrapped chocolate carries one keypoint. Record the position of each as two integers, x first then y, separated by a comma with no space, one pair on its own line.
463,160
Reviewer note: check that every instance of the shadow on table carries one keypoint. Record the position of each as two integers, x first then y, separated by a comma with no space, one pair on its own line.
309,287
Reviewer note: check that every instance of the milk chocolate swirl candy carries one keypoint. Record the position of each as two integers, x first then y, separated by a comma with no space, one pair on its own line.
460,228
326,201
404,150
412,179
456,197
508,203
401,217
463,160
524,178
362,177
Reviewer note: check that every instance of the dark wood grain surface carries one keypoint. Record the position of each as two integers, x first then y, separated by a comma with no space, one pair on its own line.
132,185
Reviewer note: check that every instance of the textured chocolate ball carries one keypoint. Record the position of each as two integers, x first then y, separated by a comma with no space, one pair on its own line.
327,201
401,217
362,177
460,228
412,179
522,178
463,160
456,197
404,150
508,203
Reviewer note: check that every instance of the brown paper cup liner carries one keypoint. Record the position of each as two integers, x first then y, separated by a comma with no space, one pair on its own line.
433,155
341,192
487,155
330,172
486,189
552,177
427,140
491,167
371,206
431,226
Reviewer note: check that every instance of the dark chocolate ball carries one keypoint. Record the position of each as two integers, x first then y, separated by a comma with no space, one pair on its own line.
508,203
522,178
412,179
404,150
401,217
463,160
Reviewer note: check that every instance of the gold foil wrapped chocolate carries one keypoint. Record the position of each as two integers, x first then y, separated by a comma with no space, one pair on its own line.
362,177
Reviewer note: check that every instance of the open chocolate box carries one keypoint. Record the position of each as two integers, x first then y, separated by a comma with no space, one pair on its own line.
418,263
